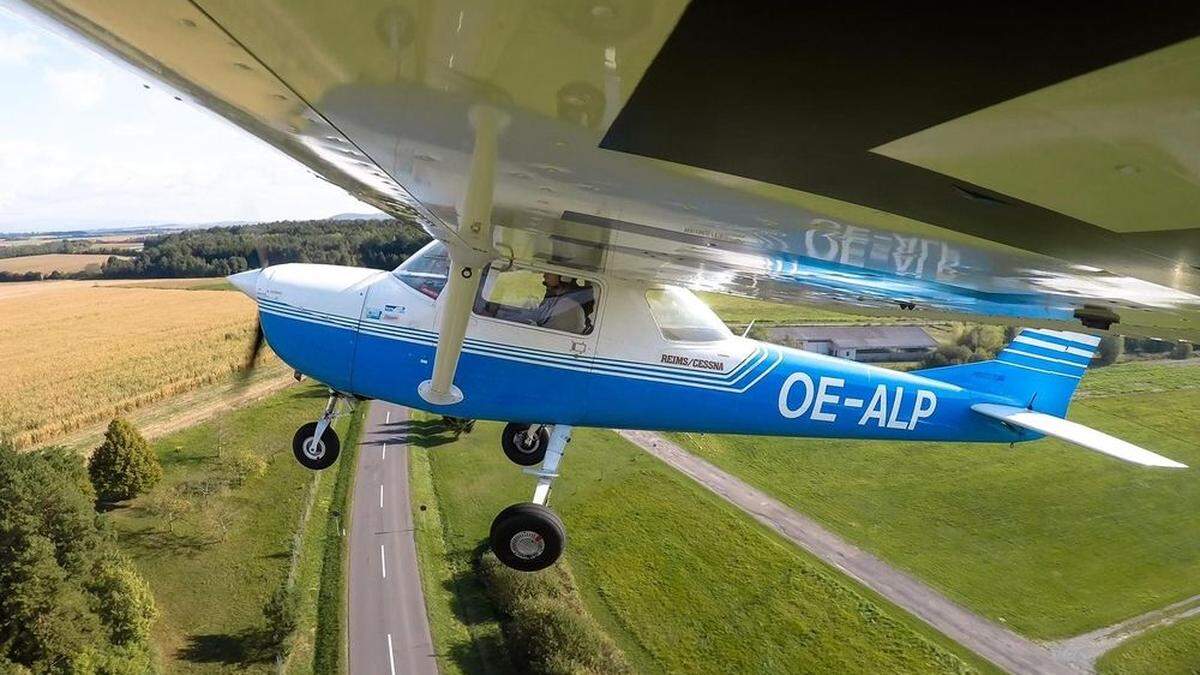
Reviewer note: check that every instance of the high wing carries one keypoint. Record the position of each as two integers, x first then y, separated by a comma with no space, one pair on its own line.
1030,163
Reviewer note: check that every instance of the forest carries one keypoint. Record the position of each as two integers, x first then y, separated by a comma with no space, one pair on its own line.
221,251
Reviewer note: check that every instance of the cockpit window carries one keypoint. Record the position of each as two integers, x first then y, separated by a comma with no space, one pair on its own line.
544,299
426,270
683,317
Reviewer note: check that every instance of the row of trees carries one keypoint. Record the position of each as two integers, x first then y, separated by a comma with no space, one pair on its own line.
980,343
221,251
70,601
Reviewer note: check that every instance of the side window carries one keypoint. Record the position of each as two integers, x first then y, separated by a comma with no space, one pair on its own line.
542,299
683,317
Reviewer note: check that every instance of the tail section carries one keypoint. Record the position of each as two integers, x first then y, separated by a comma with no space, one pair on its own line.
1039,369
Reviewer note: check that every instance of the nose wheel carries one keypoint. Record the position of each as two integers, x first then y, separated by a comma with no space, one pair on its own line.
316,445
529,537
525,444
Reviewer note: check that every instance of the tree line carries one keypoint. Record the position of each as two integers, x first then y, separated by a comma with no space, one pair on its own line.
221,251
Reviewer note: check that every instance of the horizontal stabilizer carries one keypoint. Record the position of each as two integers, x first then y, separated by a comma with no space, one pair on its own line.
1074,433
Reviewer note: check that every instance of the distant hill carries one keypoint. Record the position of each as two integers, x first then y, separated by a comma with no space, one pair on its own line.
360,216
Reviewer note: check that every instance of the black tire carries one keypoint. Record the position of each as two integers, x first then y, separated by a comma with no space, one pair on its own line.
522,447
528,537
326,452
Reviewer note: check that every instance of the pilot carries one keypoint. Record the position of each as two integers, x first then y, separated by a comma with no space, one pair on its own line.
558,310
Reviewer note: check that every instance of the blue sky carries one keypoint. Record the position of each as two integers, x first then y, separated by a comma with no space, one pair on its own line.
83,143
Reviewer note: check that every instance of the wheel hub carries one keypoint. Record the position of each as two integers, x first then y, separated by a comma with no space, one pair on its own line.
527,442
314,449
527,545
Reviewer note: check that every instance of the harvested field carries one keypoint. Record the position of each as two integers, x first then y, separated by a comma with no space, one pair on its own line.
66,263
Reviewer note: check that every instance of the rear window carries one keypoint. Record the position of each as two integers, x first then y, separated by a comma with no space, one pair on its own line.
683,317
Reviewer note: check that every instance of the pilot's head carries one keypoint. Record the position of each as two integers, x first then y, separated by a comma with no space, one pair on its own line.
555,283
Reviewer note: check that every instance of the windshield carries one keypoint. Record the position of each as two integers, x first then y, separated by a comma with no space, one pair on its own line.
426,270
683,317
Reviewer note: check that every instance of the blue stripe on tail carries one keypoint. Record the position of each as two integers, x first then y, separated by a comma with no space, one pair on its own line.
1039,369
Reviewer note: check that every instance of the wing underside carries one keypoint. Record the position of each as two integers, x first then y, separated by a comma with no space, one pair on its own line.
1032,168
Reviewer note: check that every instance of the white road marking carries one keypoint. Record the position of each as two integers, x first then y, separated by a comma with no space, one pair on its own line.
382,561
388,418
385,450
381,495
391,657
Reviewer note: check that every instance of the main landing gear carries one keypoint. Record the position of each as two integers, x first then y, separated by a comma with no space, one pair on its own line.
529,536
316,445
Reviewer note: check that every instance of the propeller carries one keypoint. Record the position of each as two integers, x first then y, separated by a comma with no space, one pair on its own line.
259,337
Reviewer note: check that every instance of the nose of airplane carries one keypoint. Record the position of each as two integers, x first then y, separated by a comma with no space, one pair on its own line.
246,282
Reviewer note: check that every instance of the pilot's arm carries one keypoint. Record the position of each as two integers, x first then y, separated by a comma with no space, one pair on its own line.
562,313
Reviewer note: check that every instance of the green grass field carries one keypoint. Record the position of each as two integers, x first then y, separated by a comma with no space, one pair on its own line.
744,310
681,580
1052,539
210,587
1174,650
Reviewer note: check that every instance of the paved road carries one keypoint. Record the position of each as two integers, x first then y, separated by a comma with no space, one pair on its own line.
388,626
993,642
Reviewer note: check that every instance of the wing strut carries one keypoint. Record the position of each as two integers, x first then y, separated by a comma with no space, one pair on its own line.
468,255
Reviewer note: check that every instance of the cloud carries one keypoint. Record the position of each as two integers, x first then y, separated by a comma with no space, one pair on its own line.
79,88
18,48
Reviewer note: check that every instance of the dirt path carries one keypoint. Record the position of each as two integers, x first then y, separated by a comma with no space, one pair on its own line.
188,409
989,640
1082,651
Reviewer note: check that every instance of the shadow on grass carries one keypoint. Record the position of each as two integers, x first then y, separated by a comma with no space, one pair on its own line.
420,433
241,648
165,542
471,605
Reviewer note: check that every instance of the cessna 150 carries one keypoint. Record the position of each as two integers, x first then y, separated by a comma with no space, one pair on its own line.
583,163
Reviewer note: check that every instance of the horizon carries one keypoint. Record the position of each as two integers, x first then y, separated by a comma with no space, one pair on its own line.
98,146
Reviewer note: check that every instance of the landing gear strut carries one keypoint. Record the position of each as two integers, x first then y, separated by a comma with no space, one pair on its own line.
529,536
316,445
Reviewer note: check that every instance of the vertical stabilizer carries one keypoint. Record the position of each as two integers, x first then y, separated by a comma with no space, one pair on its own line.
1039,369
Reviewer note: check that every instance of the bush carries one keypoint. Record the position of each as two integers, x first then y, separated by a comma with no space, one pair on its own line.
1182,350
281,614
547,627
241,465
1111,348
123,466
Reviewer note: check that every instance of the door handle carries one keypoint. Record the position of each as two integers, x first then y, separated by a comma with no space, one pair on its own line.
579,348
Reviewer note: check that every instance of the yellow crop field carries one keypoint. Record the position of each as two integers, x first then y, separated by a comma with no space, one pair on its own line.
63,262
74,354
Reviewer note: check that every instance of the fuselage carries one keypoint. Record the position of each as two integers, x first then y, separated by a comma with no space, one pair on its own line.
373,334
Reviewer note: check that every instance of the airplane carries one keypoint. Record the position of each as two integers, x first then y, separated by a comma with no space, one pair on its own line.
1034,166
548,348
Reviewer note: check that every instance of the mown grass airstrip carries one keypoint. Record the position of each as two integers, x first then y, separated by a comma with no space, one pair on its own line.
681,580
1051,539
74,354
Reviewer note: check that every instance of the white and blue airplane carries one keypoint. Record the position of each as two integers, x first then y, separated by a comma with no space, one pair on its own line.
549,348
583,163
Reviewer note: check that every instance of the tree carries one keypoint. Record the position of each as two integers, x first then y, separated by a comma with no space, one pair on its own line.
123,466
1181,351
68,601
122,600
1111,348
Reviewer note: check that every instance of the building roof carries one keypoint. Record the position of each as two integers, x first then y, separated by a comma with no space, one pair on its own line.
858,337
